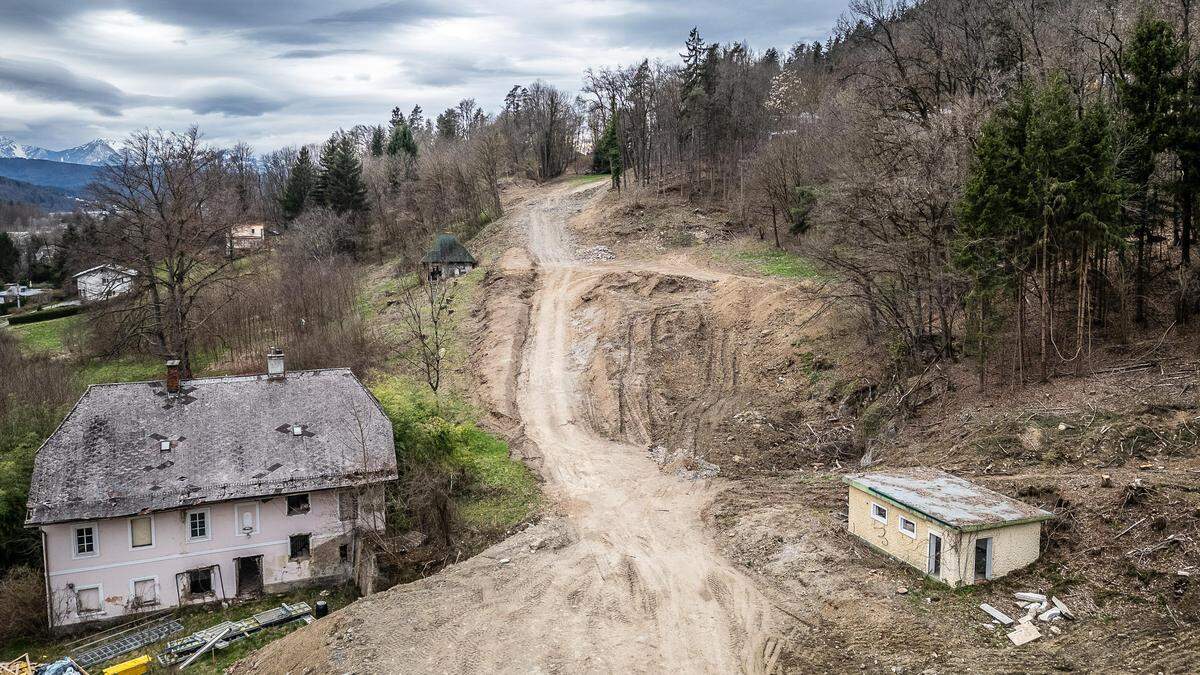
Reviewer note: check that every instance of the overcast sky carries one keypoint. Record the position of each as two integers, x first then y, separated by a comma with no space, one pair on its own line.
285,72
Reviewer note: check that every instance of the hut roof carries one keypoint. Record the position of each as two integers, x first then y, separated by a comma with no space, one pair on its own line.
447,249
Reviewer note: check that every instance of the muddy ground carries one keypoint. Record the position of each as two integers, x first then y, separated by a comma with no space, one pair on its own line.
692,422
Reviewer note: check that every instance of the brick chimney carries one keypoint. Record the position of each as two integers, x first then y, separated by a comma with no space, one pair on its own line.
275,367
173,376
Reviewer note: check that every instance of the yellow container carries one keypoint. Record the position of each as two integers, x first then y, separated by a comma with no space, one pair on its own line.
137,666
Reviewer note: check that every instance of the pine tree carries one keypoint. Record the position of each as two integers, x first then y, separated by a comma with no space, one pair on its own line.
377,141
402,144
416,117
340,185
1148,94
606,157
1043,191
299,190
10,257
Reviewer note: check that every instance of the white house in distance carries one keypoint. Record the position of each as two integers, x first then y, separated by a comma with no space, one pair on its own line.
103,282
157,494
954,531
246,237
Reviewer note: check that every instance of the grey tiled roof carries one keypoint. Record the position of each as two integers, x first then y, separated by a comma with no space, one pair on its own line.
448,249
231,438
947,499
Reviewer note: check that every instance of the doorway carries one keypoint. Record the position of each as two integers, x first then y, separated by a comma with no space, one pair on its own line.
983,559
935,555
249,576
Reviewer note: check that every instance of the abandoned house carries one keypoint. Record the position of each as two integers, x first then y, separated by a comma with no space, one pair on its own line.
954,531
448,259
164,493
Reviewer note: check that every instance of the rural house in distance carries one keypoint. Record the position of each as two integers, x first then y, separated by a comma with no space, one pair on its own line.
448,259
102,282
157,494
954,531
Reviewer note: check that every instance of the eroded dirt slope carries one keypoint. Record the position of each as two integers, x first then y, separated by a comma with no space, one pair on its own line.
625,577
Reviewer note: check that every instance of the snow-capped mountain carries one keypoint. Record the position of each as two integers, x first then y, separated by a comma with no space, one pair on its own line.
95,153
10,148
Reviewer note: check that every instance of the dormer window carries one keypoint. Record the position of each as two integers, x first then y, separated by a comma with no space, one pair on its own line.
164,446
297,430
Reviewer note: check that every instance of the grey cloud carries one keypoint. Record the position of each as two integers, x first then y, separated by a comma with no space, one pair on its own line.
50,81
317,53
231,100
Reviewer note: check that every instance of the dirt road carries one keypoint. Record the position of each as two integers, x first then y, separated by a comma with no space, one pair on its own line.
627,580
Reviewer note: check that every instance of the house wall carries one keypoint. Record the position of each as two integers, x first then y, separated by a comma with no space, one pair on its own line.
101,285
1013,546
117,565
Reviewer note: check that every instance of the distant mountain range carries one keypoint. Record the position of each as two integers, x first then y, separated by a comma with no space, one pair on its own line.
73,178
94,153
46,198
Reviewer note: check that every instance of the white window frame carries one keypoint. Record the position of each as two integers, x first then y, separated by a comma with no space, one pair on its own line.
900,524
153,533
99,594
133,593
208,525
75,554
237,517
874,516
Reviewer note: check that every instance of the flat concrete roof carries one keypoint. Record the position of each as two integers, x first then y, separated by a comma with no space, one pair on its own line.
947,499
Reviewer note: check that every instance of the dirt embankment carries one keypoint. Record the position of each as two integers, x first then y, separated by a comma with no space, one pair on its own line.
617,361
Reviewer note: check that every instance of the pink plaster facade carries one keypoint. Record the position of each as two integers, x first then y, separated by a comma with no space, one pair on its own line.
237,529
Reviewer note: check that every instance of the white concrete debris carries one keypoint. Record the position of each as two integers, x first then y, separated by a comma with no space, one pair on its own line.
1038,607
1062,608
996,614
1024,634
1049,615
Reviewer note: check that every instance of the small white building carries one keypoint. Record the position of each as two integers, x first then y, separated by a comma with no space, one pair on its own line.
158,494
950,529
102,282
248,237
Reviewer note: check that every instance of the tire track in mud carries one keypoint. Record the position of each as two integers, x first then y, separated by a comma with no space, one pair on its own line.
626,579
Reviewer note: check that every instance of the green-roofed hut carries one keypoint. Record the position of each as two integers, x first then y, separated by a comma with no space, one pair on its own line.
448,258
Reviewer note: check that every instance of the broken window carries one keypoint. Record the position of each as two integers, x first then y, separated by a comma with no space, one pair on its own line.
347,505
198,524
145,592
141,532
87,600
344,552
85,541
908,527
878,513
297,504
298,546
200,581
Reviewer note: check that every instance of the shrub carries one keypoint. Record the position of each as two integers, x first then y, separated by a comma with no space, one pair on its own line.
43,315
23,597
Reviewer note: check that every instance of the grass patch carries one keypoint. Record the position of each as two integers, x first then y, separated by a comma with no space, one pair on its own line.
197,618
125,369
500,491
776,263
587,178
45,337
